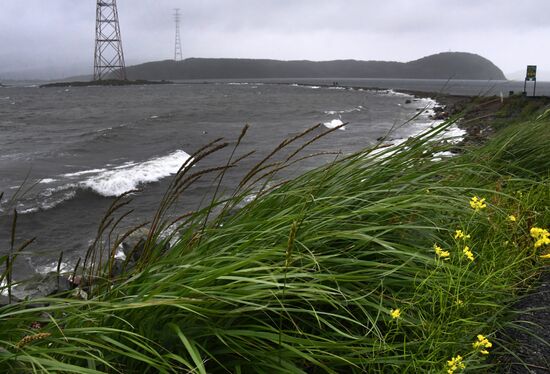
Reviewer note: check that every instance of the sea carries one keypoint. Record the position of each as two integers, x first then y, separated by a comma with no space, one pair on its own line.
67,153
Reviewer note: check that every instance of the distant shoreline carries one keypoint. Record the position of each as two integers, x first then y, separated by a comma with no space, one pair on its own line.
108,82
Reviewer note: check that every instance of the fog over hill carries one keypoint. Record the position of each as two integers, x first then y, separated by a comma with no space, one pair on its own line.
447,65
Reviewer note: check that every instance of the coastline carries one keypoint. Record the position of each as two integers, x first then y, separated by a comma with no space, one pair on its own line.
477,117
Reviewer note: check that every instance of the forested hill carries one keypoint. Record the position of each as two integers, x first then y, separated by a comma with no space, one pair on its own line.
448,65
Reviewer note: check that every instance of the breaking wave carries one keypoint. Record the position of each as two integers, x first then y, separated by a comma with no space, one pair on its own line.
108,181
119,180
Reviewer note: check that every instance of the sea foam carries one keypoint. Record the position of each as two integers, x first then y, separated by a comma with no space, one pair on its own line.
119,180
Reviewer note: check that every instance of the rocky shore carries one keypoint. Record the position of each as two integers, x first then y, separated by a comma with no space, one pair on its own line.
480,116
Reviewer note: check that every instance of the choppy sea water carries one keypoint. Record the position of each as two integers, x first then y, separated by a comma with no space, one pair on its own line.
74,150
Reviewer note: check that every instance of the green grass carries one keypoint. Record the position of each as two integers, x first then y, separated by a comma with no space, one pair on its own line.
304,278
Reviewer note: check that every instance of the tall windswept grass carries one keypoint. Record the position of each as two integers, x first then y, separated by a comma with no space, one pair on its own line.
356,266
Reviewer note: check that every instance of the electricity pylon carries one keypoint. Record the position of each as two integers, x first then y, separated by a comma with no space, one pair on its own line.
108,57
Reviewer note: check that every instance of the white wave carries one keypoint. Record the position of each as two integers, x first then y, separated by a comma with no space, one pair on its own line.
115,182
154,117
333,112
119,254
453,134
84,172
391,92
52,191
27,211
14,156
52,204
47,180
125,165
313,87
48,199
444,154
337,88
48,268
335,123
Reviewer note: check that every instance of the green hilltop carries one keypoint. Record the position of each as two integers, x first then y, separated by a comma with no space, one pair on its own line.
448,65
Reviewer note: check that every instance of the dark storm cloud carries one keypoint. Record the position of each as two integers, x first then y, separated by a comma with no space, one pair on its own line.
57,35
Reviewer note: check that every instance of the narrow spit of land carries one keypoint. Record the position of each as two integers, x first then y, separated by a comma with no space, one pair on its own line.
105,82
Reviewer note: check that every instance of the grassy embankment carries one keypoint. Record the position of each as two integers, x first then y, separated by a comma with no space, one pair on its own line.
353,267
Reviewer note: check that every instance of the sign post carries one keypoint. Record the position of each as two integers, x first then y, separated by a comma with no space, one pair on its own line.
531,75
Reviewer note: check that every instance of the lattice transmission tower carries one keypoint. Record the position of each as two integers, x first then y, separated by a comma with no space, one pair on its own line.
178,55
108,57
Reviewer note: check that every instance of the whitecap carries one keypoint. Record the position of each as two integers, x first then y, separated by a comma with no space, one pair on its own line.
83,172
115,182
335,123
391,92
29,210
3,288
333,112
48,268
47,180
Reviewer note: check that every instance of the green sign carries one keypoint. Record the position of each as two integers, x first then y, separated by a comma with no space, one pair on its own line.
531,73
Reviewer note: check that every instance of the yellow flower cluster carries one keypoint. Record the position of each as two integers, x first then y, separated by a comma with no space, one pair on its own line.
459,234
468,253
542,236
455,364
441,253
395,313
512,218
481,344
477,204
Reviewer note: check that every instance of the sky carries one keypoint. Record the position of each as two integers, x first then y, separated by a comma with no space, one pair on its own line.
51,39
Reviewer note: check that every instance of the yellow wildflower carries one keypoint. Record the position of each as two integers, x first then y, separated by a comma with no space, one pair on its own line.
542,241
459,234
481,344
542,236
441,253
477,204
546,256
512,218
455,364
537,232
468,253
395,313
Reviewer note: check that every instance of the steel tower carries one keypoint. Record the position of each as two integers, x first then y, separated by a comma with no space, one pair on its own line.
108,58
178,56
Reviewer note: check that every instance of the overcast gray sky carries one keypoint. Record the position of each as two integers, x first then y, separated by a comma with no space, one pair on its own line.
53,38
